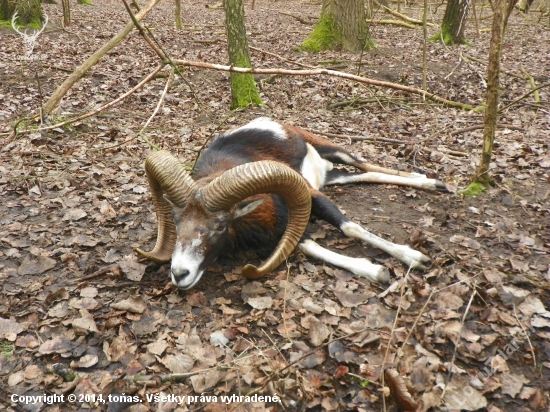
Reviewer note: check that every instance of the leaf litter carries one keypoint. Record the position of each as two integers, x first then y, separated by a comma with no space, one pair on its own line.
314,335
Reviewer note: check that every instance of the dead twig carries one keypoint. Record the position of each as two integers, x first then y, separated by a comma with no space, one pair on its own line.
159,104
387,352
448,151
524,96
99,273
481,126
268,379
457,342
528,339
301,20
372,139
108,105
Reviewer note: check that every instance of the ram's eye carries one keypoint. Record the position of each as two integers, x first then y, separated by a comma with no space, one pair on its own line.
218,226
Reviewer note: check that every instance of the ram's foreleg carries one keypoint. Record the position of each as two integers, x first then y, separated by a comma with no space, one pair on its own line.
359,266
323,208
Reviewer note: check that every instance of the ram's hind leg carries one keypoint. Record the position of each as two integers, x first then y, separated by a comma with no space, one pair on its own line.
324,209
337,177
336,154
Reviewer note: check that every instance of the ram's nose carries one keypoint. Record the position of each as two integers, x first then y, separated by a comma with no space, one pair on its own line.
178,275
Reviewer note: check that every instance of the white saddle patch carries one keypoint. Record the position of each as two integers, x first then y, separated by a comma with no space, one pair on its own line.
314,168
265,123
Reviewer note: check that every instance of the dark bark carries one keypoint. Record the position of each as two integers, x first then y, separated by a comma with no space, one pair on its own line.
454,22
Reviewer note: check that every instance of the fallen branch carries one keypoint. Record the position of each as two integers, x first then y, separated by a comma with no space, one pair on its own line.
352,102
99,273
481,126
326,72
110,104
56,97
402,16
301,20
394,22
448,151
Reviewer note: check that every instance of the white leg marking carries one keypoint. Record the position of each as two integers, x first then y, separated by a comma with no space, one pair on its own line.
358,266
265,123
419,181
405,254
314,168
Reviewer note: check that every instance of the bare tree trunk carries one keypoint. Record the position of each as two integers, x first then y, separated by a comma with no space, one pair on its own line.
66,13
503,8
454,21
342,25
243,86
525,5
178,15
56,97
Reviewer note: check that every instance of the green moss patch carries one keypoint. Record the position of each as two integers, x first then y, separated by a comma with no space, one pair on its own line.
474,189
325,36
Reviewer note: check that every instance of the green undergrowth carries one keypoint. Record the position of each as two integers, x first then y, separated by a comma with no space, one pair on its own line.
35,25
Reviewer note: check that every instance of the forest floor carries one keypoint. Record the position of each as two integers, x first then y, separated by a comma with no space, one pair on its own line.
81,315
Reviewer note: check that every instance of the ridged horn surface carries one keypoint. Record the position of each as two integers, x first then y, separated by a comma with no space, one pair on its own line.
264,177
166,175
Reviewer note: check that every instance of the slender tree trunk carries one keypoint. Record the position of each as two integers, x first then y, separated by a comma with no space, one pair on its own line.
454,21
503,8
243,86
66,13
342,25
178,15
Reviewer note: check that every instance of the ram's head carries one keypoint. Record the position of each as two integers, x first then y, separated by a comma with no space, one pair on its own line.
193,219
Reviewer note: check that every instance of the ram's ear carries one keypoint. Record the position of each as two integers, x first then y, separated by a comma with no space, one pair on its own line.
246,206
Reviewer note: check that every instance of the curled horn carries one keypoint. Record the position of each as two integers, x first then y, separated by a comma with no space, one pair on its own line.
250,179
166,175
